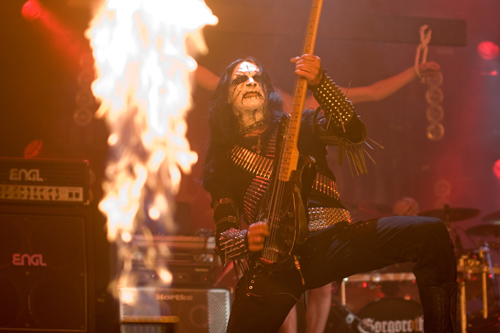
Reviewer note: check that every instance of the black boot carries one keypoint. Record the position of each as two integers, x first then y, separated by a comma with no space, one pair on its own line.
440,308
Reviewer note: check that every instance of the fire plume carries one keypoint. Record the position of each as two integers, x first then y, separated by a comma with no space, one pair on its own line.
144,51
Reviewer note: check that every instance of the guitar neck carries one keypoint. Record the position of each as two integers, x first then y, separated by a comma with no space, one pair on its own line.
290,154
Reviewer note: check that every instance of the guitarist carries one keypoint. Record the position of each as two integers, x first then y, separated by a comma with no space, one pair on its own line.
245,118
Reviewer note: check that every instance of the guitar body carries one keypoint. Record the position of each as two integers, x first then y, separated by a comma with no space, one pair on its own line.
288,224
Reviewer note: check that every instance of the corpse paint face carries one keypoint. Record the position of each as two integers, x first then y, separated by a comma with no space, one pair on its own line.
246,94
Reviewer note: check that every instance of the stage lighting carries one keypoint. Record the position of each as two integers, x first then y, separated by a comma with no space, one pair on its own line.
31,10
488,50
496,169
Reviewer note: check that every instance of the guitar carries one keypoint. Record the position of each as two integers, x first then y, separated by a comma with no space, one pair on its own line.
286,215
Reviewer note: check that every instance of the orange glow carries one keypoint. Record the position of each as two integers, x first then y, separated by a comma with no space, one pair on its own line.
143,70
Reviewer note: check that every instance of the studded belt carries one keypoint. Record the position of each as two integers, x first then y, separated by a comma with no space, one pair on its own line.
323,217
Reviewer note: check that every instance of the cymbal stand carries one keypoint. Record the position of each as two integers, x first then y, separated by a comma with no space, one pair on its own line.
487,273
463,311
342,293
484,255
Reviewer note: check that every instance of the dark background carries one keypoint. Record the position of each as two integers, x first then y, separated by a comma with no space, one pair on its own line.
43,84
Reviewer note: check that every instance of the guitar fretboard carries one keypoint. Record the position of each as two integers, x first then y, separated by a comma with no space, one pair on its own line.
290,154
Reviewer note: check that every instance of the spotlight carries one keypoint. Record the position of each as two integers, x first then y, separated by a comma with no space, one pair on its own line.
490,73
496,169
31,10
488,50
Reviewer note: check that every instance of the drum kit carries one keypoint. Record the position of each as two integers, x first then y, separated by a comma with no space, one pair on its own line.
477,276
390,296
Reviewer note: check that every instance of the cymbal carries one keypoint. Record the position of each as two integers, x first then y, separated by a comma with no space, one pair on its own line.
492,217
373,208
484,230
452,214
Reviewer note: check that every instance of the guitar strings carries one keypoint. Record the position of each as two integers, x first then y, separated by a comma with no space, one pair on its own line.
273,215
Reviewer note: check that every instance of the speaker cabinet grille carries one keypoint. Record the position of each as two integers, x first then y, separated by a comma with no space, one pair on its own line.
198,310
43,271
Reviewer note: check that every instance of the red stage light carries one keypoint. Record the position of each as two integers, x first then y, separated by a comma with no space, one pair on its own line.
491,73
33,149
488,50
496,169
32,9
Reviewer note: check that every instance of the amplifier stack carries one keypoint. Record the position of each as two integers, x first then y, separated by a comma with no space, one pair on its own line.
190,303
191,259
46,261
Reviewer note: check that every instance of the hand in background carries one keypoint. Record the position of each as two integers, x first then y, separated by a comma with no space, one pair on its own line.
428,68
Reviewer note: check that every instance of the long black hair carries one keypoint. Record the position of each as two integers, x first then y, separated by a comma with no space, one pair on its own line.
223,123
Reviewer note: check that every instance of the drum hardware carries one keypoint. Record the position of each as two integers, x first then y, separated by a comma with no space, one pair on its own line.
476,263
379,277
359,290
480,264
485,230
373,209
463,310
449,214
457,241
401,313
492,217
477,324
352,321
355,293
393,315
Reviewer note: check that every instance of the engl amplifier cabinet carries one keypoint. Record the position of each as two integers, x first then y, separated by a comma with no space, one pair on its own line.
46,278
44,181
194,310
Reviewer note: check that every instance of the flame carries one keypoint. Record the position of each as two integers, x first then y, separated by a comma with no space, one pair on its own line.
144,51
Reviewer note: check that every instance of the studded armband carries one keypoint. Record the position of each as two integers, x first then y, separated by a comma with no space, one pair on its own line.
338,110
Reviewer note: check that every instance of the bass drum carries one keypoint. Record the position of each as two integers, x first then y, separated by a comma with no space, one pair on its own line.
385,315
392,315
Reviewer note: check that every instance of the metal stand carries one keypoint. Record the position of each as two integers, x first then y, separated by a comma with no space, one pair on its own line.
480,265
349,317
463,304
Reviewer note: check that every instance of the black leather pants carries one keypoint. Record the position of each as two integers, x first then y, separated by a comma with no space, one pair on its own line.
263,300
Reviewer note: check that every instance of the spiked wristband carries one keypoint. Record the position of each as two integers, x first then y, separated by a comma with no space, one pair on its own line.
233,244
338,110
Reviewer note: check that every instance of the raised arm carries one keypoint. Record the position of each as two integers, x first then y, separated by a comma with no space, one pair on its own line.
206,78
378,90
386,87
